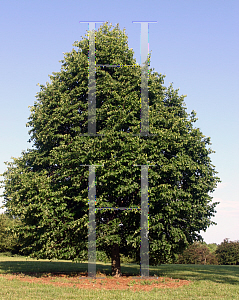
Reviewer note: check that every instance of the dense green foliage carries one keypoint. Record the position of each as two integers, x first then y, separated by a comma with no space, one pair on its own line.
228,253
47,188
212,247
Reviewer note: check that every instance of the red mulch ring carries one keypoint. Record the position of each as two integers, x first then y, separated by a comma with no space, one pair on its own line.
81,281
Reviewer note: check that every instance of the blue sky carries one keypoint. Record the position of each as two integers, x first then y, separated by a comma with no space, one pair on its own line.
194,43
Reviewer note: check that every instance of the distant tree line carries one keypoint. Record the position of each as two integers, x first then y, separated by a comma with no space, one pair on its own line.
227,253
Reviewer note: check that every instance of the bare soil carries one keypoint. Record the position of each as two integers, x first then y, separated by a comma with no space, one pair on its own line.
81,281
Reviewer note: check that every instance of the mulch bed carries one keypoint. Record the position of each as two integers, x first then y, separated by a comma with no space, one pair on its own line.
81,281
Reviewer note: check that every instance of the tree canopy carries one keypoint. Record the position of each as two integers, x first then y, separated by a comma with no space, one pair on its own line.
47,188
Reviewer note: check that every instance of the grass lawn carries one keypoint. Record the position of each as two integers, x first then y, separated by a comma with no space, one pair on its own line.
207,282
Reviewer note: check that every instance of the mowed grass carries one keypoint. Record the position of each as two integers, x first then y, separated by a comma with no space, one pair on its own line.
207,282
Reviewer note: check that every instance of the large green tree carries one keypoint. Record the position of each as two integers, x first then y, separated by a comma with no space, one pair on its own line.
47,188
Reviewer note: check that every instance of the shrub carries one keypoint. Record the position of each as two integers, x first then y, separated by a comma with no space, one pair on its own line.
8,238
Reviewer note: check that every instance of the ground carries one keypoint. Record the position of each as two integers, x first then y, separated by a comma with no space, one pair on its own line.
81,281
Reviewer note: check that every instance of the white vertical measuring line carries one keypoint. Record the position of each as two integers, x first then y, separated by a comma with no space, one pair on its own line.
144,63
91,79
92,224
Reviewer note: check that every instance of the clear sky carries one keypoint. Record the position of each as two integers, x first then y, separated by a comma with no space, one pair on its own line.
195,43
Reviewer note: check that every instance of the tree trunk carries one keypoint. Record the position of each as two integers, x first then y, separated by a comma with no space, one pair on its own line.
115,261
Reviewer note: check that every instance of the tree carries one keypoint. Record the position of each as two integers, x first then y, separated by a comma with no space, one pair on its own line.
48,188
197,253
212,247
228,252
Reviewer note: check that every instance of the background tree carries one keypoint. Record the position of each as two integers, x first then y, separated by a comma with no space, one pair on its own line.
8,239
228,252
197,253
212,247
48,189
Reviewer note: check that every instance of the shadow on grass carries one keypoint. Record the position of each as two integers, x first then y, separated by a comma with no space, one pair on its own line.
218,274
38,268
26,267
33,267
